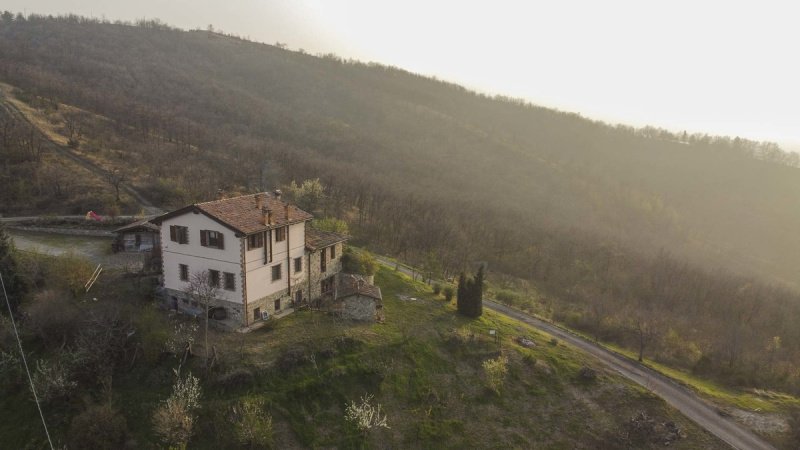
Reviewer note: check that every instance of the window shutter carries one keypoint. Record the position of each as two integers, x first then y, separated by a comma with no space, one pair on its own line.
204,238
221,241
173,236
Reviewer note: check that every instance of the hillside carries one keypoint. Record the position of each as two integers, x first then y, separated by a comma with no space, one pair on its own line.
424,366
687,244
379,136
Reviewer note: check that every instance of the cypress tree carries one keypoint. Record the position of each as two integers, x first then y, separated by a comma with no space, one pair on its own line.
461,294
477,293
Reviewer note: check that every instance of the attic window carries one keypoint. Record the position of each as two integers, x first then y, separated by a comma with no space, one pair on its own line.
213,239
179,234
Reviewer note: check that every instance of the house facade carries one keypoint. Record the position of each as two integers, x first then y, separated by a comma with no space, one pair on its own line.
254,249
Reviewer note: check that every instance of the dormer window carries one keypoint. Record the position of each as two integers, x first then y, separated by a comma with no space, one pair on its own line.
213,239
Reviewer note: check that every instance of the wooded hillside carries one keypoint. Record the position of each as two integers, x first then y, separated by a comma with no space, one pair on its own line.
435,174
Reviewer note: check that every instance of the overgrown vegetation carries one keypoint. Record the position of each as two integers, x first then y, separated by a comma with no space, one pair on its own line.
291,385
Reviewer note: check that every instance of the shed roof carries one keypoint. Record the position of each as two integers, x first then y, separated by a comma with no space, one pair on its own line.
144,225
356,285
317,239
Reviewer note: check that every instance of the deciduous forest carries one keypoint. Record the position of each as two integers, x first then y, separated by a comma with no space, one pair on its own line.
681,246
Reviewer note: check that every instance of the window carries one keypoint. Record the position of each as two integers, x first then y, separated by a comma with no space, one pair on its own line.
298,264
323,265
179,234
276,272
326,285
280,234
255,241
230,281
184,272
185,301
213,239
268,248
278,305
333,251
257,314
213,277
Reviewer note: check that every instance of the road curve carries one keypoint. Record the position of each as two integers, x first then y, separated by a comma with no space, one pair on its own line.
679,397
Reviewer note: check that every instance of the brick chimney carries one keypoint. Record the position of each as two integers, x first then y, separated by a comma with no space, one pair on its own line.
266,215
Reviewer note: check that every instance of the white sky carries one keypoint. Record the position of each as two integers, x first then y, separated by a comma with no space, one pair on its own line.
722,67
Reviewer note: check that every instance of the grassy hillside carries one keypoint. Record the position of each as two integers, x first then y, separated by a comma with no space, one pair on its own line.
424,366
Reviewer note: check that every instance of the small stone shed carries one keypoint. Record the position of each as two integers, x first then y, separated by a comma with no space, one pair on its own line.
358,300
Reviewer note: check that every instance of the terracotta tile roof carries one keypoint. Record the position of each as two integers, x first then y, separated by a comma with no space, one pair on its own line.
316,239
244,213
356,285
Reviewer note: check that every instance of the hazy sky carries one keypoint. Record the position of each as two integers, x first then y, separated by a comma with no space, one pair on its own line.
722,67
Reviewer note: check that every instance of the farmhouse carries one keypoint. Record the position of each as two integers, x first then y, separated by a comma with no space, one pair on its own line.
256,250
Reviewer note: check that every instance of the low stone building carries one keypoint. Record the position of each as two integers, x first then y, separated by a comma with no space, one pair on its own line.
356,299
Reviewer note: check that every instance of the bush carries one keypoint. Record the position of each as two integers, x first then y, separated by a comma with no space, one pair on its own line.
98,427
508,297
173,420
496,370
448,293
437,288
51,316
253,426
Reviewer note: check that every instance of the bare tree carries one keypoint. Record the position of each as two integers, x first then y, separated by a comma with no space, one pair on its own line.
116,177
203,290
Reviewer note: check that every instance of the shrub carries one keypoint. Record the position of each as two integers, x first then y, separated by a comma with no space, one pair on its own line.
364,416
253,427
437,288
53,380
51,316
98,427
496,370
448,293
508,297
173,420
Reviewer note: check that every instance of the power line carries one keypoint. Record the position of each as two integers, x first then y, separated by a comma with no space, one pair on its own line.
25,362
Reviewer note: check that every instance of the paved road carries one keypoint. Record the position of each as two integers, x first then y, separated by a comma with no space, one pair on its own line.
681,398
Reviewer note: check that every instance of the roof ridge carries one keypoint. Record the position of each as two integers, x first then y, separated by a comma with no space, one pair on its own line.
269,194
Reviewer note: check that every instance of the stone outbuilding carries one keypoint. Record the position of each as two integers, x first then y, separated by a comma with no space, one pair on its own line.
357,299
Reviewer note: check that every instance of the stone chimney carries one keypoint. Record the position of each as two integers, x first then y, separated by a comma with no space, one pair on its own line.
286,209
277,193
259,201
220,194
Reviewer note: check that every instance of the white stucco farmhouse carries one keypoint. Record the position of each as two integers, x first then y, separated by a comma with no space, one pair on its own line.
256,249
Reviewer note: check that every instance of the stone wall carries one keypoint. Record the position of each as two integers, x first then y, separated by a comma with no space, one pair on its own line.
312,285
268,304
359,307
